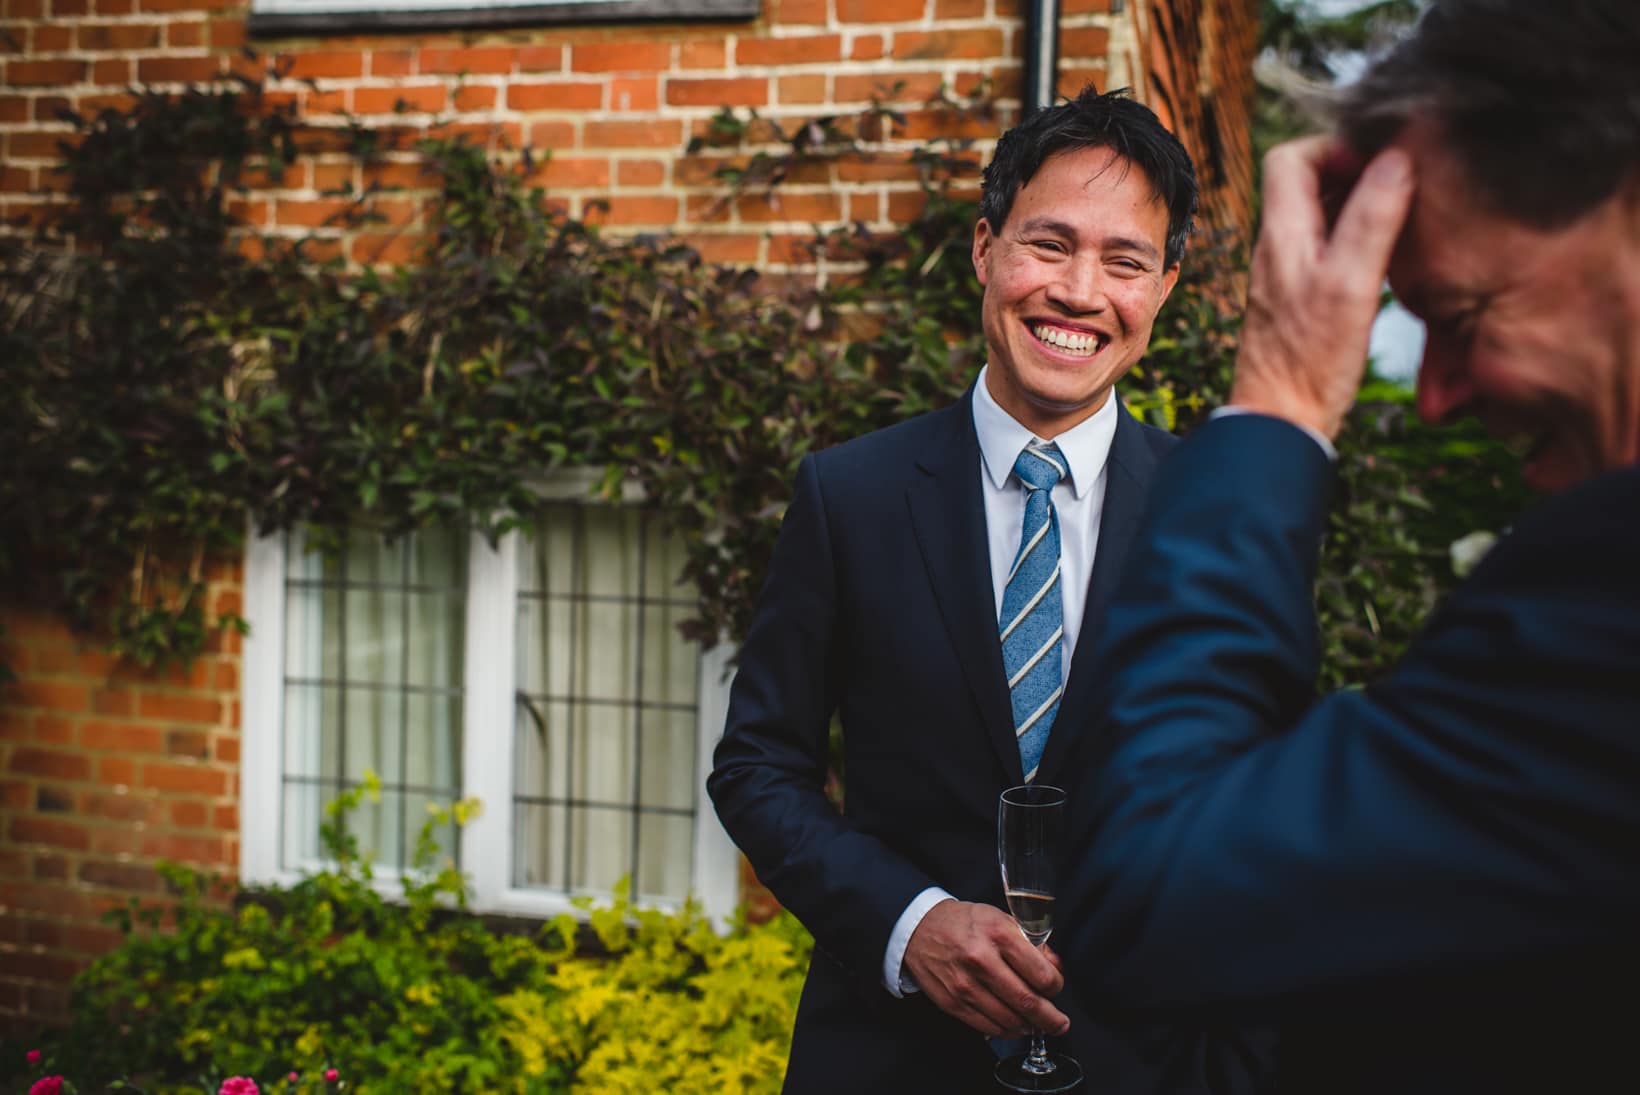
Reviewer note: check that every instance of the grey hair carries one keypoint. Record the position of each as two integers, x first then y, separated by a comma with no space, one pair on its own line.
1539,101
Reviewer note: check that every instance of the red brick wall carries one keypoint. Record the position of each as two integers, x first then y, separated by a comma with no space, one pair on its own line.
103,769
615,105
1197,57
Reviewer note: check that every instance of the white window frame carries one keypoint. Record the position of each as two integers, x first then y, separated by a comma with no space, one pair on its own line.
276,17
488,701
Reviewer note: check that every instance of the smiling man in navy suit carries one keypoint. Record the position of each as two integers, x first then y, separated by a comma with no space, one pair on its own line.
1433,881
898,601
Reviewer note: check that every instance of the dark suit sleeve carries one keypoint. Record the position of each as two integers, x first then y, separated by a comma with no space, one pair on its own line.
768,777
1244,843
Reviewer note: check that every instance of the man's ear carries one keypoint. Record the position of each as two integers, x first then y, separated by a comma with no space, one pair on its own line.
1170,278
982,248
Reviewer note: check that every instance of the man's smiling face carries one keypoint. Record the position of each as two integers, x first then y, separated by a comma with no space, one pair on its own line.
1073,282
1536,332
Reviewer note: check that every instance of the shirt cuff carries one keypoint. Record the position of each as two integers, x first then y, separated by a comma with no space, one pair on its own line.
895,981
1318,438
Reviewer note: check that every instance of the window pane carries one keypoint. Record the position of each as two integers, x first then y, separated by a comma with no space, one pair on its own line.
608,646
668,767
671,663
665,850
663,565
377,826
611,568
418,812
542,749
604,758
428,657
540,832
550,558
368,738
605,737
299,834
373,678
431,738
438,558
370,560
600,848
546,646
369,633
308,709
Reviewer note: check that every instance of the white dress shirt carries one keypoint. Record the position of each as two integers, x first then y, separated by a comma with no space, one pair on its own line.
1079,500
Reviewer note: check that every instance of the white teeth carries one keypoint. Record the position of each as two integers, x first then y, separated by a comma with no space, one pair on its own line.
1067,340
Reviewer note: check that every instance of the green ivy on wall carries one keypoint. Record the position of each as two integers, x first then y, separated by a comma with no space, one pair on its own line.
171,384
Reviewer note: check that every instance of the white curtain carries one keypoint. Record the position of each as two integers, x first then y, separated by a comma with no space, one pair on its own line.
606,722
373,676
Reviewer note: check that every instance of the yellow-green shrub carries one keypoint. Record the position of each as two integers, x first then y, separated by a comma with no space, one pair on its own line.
673,1007
420,995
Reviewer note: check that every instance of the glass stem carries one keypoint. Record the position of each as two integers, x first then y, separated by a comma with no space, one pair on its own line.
1038,1064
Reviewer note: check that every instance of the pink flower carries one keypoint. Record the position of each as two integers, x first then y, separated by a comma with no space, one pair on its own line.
32,1056
239,1085
294,1076
48,1085
331,1075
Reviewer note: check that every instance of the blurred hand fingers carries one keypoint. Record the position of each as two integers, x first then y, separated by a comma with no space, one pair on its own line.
1370,222
1293,219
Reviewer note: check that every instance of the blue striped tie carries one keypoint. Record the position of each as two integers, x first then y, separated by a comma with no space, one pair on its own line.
1032,621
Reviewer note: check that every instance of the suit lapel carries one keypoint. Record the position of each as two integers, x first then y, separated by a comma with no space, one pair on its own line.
948,517
1128,472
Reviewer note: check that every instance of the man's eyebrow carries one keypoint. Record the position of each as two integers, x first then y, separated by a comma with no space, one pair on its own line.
1046,224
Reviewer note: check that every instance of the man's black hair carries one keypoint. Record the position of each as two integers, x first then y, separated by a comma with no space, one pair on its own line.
1092,120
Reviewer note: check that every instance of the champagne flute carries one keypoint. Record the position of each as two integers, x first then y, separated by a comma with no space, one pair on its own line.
1030,821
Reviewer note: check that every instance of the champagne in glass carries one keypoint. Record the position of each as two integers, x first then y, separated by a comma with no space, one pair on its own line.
1034,912
1030,820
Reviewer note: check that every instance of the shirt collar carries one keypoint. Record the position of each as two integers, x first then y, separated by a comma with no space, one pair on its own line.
1001,439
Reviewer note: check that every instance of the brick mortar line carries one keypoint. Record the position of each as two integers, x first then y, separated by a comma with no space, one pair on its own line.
125,753
454,82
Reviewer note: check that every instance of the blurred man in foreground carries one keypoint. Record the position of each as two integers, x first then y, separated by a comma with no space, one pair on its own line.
1434,881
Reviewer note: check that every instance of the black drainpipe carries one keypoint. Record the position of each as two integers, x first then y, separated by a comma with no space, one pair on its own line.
1041,55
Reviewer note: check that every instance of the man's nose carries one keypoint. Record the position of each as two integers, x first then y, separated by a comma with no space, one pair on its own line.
1080,286
1445,385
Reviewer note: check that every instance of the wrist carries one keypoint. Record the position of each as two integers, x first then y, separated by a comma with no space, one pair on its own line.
1256,398
897,958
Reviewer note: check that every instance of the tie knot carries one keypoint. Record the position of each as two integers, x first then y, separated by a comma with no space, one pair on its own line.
1039,467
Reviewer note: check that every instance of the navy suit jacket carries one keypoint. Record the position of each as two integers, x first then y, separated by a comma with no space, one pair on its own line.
879,607
1433,880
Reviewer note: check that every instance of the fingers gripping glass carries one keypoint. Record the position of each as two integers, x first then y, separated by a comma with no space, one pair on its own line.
1030,820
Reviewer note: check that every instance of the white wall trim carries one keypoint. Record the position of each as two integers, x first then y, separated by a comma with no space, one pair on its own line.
262,708
717,860
488,712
